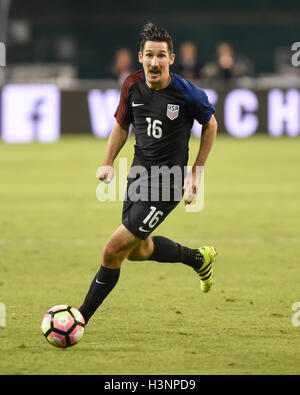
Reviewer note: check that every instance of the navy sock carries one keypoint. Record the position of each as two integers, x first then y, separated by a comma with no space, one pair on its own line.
166,250
103,283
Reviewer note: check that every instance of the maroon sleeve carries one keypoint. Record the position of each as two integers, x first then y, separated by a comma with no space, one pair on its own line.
123,113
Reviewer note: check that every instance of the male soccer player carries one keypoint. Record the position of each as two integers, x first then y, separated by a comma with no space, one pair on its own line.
162,107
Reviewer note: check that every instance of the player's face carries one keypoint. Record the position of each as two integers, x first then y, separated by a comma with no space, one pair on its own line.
156,60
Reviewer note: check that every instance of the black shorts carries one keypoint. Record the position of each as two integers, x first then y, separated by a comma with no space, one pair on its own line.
142,218
146,205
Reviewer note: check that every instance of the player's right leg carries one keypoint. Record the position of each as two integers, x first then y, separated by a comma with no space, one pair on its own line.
118,247
116,250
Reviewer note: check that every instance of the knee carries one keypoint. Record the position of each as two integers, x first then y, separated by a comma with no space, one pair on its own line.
141,253
110,257
138,254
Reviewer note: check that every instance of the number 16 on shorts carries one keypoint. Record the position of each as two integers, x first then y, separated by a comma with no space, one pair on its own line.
151,219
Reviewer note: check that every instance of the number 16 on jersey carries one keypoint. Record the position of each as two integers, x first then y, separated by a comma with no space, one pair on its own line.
154,128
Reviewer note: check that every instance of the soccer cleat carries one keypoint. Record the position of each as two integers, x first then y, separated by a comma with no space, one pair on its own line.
206,270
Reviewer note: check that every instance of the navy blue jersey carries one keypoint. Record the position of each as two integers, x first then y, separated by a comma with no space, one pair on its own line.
162,118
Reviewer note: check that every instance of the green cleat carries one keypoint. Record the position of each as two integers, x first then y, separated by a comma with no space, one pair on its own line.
206,271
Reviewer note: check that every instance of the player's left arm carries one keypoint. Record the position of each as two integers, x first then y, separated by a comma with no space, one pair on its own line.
209,131
192,180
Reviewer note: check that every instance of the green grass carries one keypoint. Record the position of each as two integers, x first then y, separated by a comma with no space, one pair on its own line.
156,320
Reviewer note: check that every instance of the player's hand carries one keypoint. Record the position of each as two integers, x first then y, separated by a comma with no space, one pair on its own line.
105,173
191,183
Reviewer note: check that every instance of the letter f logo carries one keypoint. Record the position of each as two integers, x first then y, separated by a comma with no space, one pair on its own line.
2,54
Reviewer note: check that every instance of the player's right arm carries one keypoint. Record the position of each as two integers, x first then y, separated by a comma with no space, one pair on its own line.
120,131
116,141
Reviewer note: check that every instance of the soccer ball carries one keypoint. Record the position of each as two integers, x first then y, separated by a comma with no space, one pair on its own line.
63,326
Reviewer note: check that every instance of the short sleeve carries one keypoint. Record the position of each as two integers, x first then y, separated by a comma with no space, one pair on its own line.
203,108
123,112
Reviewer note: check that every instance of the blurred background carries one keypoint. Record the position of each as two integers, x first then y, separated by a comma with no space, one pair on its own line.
62,64
241,53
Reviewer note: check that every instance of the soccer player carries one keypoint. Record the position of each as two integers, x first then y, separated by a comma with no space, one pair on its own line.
162,107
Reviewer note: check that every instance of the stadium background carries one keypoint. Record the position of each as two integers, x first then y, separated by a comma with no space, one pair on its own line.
74,46
58,86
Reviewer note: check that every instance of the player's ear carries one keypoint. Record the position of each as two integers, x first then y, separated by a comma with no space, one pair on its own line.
172,58
140,57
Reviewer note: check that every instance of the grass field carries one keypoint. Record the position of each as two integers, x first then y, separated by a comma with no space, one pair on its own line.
156,321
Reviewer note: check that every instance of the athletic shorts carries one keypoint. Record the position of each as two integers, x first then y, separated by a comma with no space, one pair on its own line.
145,205
142,218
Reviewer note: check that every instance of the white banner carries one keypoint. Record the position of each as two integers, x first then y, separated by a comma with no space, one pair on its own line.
29,113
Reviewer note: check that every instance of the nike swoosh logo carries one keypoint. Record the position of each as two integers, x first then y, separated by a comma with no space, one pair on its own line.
143,230
99,282
137,104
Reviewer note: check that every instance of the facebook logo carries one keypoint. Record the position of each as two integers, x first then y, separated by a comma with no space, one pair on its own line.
2,54
30,113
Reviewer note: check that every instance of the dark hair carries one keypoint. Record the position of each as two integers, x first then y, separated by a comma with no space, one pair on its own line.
152,32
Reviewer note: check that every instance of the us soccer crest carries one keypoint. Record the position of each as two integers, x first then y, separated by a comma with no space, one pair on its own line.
172,111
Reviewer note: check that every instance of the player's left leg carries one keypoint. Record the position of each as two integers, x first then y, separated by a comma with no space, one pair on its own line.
142,251
162,249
